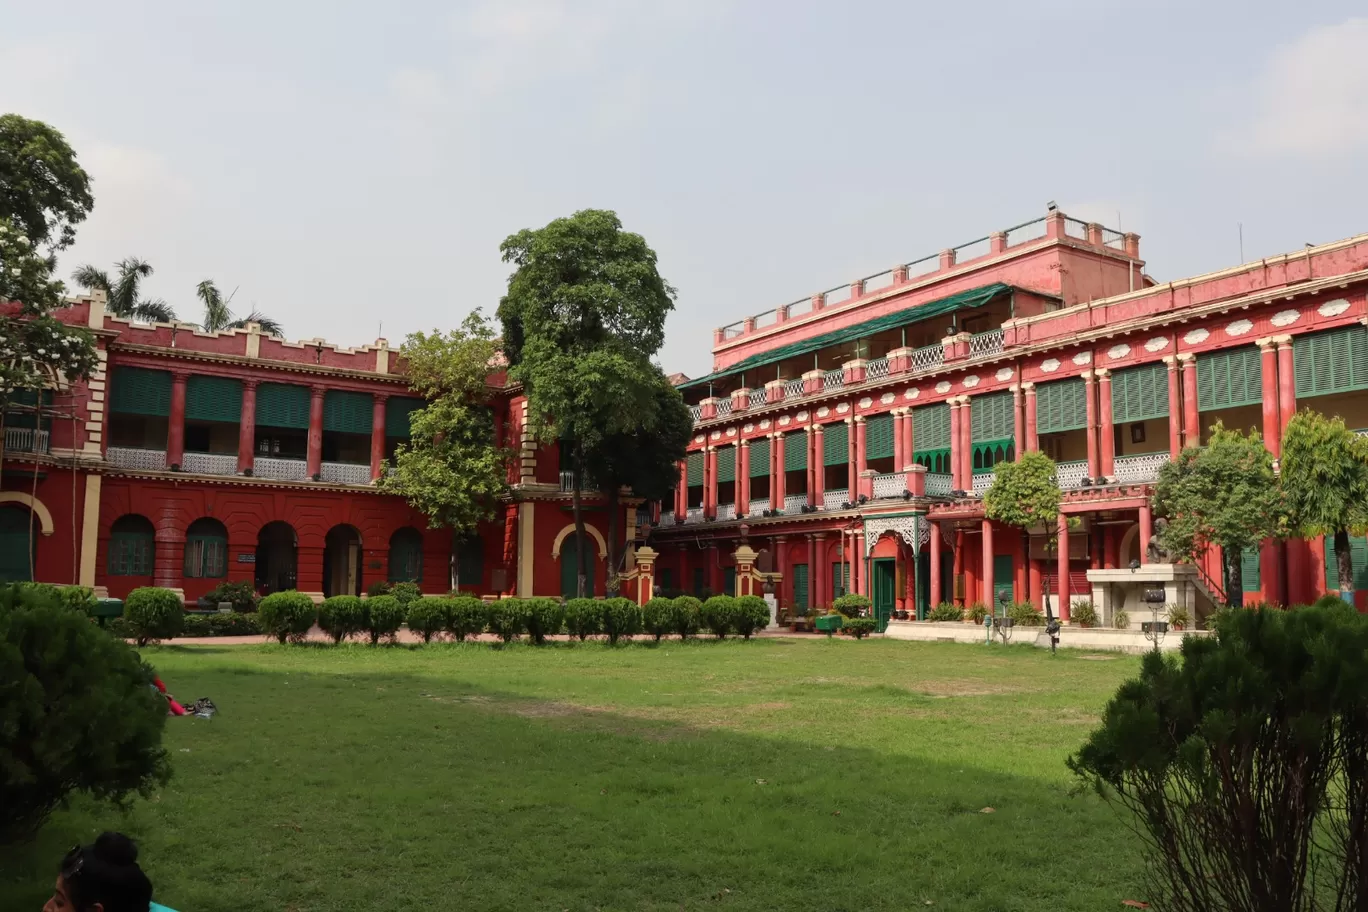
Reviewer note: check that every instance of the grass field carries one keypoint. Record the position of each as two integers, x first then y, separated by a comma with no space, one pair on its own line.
772,775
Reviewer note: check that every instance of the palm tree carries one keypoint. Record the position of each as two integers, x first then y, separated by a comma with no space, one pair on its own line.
218,317
123,300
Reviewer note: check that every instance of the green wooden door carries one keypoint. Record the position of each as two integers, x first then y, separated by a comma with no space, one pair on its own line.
16,548
1002,579
885,580
800,590
923,582
729,581
569,558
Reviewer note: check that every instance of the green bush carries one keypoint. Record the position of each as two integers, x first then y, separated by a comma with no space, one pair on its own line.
583,617
406,593
946,611
1121,620
208,625
688,616
153,613
240,595
341,616
78,714
384,617
1082,613
1024,614
851,605
658,617
543,617
621,619
467,616
1178,617
719,615
977,612
426,617
379,587
752,616
859,628
287,615
78,598
507,619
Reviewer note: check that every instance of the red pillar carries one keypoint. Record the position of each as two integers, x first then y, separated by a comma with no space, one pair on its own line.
1110,548
682,495
816,471
1033,581
972,576
966,444
1032,436
899,460
1304,581
957,569
1287,383
1192,421
1018,423
247,427
987,590
909,440
955,446
377,454
1268,364
175,427
779,544
777,479
1146,531
1020,586
861,463
852,456
813,578
1175,409
817,581
1062,568
710,486
715,571
315,452
1107,436
1090,400
743,479
935,596
168,548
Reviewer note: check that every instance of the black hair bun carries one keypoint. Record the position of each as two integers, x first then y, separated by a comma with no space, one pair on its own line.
116,849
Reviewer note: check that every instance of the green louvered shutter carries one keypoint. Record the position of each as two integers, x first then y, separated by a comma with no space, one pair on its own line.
397,412
16,545
1249,568
695,470
347,413
1229,378
990,418
470,563
835,444
282,406
726,465
840,579
1061,406
879,437
931,427
1358,554
135,391
795,451
800,589
213,399
1140,393
1334,361
759,457
27,419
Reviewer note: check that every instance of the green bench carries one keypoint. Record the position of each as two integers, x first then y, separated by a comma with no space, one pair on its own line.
828,624
107,608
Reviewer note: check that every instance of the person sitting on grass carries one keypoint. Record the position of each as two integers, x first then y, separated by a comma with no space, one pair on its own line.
103,877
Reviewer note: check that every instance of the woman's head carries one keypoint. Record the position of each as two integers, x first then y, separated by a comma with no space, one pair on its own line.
103,877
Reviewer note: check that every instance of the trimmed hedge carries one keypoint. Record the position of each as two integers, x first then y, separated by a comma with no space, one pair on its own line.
851,605
426,617
543,617
240,595
153,613
286,615
752,616
621,619
466,616
946,611
507,619
211,625
719,615
384,617
406,593
859,627
583,618
658,617
688,615
341,616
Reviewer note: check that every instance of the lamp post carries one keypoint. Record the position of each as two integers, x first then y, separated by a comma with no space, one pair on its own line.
1001,623
1154,630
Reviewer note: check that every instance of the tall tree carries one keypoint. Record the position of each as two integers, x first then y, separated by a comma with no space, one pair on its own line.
218,316
1025,494
584,314
451,469
1324,471
1223,496
43,191
123,294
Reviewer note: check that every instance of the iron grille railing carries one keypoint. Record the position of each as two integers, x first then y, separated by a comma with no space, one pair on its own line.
280,469
833,379
210,463
986,343
928,358
137,458
876,369
345,473
1144,467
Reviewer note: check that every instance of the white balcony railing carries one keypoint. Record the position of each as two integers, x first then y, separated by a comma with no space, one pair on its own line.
938,485
794,388
724,407
986,343
928,358
209,463
280,469
982,482
833,500
1071,474
726,511
890,485
694,515
667,518
833,380
1144,467
756,398
345,473
567,482
137,458
25,440
794,503
876,369
697,412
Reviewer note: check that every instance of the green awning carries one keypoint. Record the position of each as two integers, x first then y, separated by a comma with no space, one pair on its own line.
974,297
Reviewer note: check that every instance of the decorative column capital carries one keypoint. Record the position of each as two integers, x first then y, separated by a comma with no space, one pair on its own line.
380,398
1087,376
180,375
1103,373
1171,361
1283,341
1028,387
250,383
1187,359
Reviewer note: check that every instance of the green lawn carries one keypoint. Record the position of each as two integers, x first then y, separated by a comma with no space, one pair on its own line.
773,775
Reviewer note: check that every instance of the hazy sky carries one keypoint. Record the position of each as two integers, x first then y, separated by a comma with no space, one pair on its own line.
343,164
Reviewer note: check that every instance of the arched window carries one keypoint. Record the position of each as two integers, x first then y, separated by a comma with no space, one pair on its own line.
16,544
131,543
206,550
569,560
406,556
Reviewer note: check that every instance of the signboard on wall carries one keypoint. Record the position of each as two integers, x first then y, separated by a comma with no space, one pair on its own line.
246,558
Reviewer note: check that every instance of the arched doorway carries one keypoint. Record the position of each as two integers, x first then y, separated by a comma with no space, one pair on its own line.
406,556
132,545
342,561
16,545
569,561
276,553
206,550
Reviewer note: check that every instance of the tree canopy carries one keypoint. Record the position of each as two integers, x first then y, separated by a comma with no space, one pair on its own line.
1324,474
218,316
43,191
123,295
1024,493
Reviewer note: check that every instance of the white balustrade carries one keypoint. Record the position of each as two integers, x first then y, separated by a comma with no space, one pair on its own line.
694,515
891,485
938,485
26,440
833,500
137,458
724,407
876,369
986,343
345,473
726,511
209,463
982,482
667,518
794,503
756,398
567,482
833,379
1144,467
697,412
1071,474
280,469
928,358
794,388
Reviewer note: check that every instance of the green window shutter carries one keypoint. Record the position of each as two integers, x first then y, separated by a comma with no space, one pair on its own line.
16,547
1061,406
1333,361
1358,555
726,464
347,413
206,556
728,581
931,427
835,444
213,399
989,453
795,451
397,412
27,419
406,557
1229,378
695,476
135,391
698,582
840,579
1249,564
131,546
879,437
990,417
1140,393
760,458
800,588
666,579
470,563
936,461
281,406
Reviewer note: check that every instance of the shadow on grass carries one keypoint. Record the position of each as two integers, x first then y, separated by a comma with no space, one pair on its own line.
351,791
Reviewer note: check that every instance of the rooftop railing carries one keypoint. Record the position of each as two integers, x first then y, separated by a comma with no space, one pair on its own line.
756,398
833,379
986,343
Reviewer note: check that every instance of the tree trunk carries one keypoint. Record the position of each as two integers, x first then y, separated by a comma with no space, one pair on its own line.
454,566
610,498
580,551
1344,561
1234,577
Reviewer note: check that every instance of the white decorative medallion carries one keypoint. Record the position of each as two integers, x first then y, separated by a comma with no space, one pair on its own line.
748,428
801,416
1239,328
1118,351
764,425
1196,335
1082,358
699,439
731,432
716,435
866,402
1158,342
1049,365
783,422
913,393
971,381
1285,317
943,386
1005,374
887,398
842,408
823,412
1333,308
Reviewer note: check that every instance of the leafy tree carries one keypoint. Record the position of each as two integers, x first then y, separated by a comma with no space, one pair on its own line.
1324,471
1224,496
1025,494
43,191
123,298
218,317
450,469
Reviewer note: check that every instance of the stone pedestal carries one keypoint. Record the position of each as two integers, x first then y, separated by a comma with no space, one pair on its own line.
1124,590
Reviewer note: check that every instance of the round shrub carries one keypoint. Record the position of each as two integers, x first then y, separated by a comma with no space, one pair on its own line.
946,611
384,617
543,617
507,619
153,613
79,714
658,617
406,593
426,617
340,616
851,605
752,615
379,587
287,615
240,595
719,615
583,617
859,627
688,615
236,623
1024,614
466,616
621,618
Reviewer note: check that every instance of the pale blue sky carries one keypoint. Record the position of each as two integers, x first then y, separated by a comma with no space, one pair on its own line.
347,163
